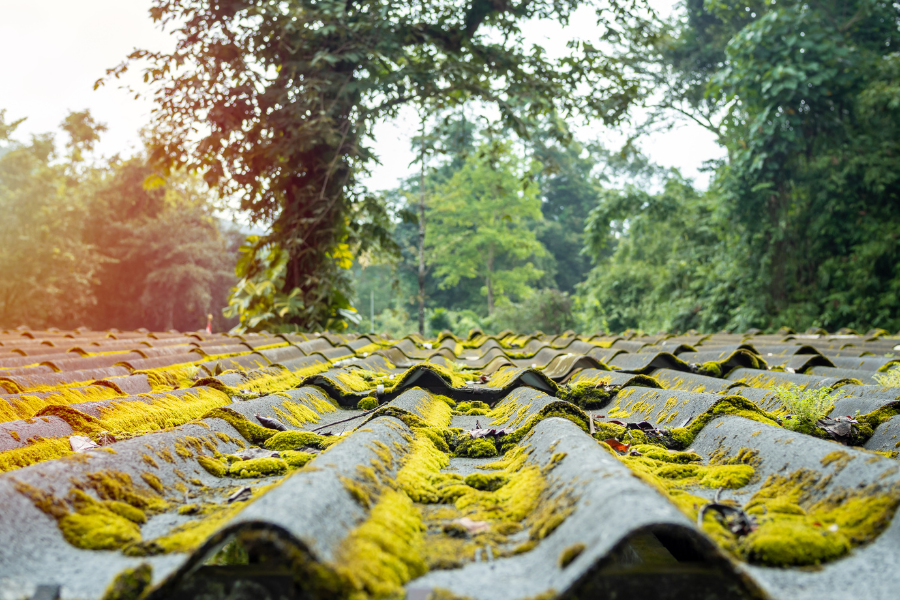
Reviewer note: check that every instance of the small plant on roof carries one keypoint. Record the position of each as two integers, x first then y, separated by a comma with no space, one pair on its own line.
890,378
805,405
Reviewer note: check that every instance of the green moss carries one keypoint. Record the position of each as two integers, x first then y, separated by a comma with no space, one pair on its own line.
384,553
569,554
476,448
798,526
135,515
130,584
793,541
290,440
464,407
682,437
94,527
710,369
367,403
588,394
213,466
438,437
296,459
727,476
252,432
676,471
258,467
488,482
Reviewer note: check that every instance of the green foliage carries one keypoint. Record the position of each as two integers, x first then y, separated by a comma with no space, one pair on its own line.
105,243
805,405
284,97
479,225
889,379
800,222
660,257
546,310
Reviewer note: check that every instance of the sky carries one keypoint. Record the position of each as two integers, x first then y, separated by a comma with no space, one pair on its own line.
52,52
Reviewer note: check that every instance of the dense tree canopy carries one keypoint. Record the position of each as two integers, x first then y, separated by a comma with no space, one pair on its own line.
275,103
105,243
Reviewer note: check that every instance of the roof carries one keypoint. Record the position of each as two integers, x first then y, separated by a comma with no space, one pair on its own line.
173,465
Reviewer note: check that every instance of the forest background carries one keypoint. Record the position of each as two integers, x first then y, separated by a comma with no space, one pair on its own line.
527,225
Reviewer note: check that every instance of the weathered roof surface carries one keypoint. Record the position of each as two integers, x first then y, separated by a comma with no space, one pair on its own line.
182,465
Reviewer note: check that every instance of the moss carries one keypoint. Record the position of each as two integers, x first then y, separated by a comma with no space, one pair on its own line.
476,448
189,536
384,553
213,466
475,407
290,440
258,467
792,541
588,395
682,437
162,413
38,450
838,458
135,515
488,482
116,485
149,460
130,584
296,459
560,409
800,525
95,527
569,554
367,403
252,432
153,481
727,476
710,369
25,406
436,435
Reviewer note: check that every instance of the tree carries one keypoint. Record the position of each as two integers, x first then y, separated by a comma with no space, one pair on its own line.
480,226
275,103
802,94
105,243
48,268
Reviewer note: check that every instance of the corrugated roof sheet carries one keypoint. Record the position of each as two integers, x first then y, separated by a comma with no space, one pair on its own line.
183,465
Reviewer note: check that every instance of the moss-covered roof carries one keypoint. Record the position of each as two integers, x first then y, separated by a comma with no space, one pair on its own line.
170,465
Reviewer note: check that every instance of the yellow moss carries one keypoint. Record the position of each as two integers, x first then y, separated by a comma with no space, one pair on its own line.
135,515
296,459
130,584
27,405
153,481
38,450
290,440
164,379
384,553
189,536
367,403
213,466
94,527
569,554
793,541
149,460
169,411
727,476
252,432
418,475
258,467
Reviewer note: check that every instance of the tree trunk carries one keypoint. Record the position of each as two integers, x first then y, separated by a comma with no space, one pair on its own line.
487,281
422,236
